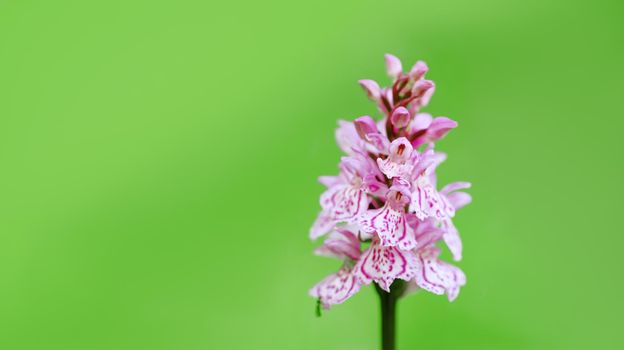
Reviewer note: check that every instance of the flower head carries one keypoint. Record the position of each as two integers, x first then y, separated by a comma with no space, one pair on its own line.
386,196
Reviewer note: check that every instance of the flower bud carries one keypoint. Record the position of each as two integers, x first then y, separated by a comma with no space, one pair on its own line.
400,117
421,87
371,88
393,66
365,125
418,70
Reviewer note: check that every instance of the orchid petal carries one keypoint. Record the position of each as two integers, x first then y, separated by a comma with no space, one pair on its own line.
425,231
390,225
421,87
374,186
372,89
426,97
426,201
418,70
385,264
336,288
454,186
393,66
452,239
437,276
365,125
347,138
397,164
421,122
439,127
342,244
323,224
379,141
400,117
459,199
329,181
344,202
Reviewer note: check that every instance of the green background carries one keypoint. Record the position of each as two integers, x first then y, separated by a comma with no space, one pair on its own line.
158,164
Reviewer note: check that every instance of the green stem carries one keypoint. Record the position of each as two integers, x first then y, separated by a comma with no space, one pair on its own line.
388,312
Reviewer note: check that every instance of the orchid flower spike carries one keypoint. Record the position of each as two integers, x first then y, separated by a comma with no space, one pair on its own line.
382,215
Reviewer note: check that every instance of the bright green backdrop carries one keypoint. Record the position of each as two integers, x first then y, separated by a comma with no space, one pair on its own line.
158,164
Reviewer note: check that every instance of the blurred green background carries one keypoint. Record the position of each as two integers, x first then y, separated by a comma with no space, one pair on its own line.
158,164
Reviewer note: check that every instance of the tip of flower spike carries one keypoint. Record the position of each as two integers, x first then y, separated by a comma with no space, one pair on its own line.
393,65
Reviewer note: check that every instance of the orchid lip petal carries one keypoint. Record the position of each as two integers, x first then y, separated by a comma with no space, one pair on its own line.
426,201
336,288
437,276
390,225
385,264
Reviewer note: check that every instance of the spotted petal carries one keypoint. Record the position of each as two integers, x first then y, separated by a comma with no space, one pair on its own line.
336,288
344,202
390,225
452,239
322,225
437,276
426,201
340,203
385,264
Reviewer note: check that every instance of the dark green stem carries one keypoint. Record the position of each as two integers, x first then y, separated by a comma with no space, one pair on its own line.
388,312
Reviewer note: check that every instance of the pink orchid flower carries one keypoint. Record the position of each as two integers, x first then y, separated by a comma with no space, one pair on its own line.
390,222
